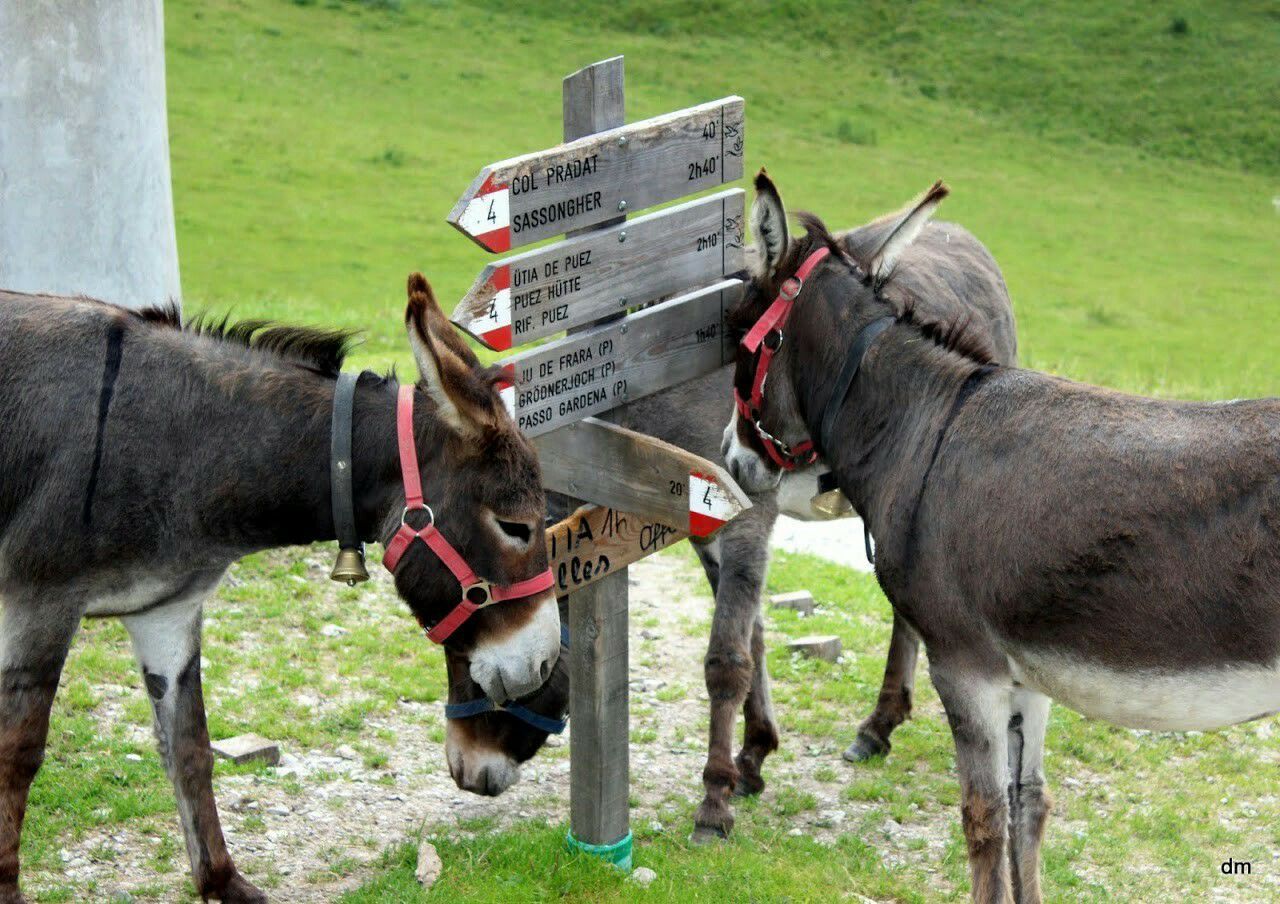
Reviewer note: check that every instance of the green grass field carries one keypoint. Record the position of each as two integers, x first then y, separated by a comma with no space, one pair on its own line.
1121,166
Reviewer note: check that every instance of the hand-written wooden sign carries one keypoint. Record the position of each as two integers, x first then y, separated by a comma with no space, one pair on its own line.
601,368
596,540
549,290
644,475
525,199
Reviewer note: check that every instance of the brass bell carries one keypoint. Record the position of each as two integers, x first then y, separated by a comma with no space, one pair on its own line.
349,568
831,504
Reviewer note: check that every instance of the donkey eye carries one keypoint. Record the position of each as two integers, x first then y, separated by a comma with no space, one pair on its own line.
516,529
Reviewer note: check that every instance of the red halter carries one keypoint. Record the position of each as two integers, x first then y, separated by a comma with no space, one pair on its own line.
476,592
766,336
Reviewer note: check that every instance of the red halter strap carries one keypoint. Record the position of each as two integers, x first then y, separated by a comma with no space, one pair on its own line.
766,338
476,592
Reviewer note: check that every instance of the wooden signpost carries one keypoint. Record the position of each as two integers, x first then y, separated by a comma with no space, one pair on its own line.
552,289
596,541
641,494
590,181
644,476
601,368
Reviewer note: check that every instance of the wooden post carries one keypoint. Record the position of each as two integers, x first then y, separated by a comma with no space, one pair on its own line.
599,753
85,200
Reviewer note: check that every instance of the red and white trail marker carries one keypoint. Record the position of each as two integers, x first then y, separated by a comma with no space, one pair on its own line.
710,507
486,216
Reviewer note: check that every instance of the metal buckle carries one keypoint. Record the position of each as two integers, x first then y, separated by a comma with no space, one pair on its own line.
431,517
774,334
791,296
479,594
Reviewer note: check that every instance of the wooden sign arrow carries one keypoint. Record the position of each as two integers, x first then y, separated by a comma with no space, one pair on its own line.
596,541
589,181
645,476
601,368
552,289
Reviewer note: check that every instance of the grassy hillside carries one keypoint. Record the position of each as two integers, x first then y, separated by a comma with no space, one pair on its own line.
1191,80
318,147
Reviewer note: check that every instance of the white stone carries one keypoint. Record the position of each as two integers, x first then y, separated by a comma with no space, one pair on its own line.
817,646
800,601
246,747
429,865
332,630
642,875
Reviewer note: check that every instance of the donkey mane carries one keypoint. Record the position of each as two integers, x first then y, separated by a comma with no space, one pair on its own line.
315,348
950,328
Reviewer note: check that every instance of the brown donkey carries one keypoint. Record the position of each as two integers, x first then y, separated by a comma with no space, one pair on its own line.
140,459
957,275
1146,533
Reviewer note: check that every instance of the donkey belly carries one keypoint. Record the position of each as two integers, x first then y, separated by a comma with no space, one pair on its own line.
145,593
1192,700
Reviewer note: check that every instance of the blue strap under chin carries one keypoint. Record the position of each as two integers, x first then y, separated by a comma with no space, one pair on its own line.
468,709
523,713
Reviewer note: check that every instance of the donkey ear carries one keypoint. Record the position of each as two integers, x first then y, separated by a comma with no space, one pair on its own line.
903,232
445,364
768,224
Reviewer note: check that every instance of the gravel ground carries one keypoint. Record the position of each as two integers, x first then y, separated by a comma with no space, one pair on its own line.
310,827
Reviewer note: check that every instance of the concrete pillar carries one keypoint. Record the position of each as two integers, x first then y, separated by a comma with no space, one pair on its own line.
86,205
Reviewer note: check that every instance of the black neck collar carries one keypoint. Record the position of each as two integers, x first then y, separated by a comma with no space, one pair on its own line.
844,381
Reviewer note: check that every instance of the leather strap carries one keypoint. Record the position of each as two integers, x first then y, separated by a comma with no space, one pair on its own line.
772,322
340,462
523,713
408,450
852,362
765,337
476,593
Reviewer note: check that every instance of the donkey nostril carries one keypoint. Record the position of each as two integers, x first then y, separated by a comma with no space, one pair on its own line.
545,671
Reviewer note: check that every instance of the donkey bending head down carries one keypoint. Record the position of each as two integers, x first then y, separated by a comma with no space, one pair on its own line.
140,459
485,743
1044,538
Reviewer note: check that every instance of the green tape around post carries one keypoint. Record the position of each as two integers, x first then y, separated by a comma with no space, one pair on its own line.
618,853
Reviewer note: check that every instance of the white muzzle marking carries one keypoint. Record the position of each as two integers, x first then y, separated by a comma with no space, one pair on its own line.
520,663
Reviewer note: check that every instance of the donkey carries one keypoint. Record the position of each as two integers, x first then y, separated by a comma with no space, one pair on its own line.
141,458
958,275
1146,532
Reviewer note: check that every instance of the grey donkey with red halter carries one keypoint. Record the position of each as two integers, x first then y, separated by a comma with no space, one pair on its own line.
179,449
1045,538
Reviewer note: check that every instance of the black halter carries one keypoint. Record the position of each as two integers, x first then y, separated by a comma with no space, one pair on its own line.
844,381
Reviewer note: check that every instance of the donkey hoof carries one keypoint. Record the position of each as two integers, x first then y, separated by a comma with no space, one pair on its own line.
704,835
240,891
748,786
866,746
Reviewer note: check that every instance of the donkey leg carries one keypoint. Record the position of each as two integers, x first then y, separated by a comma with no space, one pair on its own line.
977,705
1029,804
33,646
761,736
166,642
738,577
894,704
